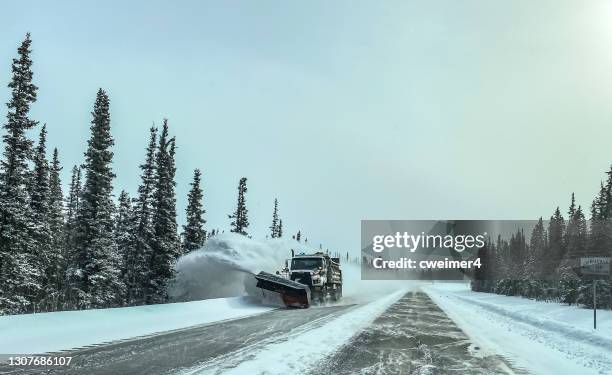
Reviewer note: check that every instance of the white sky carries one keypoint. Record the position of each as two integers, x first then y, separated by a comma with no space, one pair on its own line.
343,110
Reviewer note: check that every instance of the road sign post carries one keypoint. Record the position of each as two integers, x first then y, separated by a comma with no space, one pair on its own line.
595,304
596,267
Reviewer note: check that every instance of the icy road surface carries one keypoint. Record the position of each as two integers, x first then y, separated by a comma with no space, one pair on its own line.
412,337
400,333
167,352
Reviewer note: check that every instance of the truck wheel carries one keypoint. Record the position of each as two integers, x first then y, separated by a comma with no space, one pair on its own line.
318,298
337,294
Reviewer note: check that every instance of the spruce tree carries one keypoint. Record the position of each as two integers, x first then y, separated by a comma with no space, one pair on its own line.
97,276
575,242
280,228
18,277
571,225
275,221
56,268
575,232
123,234
240,218
194,234
165,245
74,193
137,257
72,207
605,248
556,245
39,183
572,208
518,252
606,199
597,237
39,196
71,255
537,251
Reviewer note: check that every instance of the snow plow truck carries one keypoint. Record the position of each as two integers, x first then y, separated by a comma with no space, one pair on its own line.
305,280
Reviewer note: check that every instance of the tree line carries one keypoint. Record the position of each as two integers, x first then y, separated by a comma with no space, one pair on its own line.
84,250
547,265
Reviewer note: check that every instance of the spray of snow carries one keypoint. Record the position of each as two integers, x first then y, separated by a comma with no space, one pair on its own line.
225,266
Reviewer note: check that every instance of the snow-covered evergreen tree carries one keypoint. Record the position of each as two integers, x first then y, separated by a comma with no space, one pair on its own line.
275,221
97,275
39,196
56,267
518,252
597,235
194,234
556,245
72,200
18,273
165,246
240,217
137,257
39,182
575,236
280,228
605,248
538,245
123,234
70,284
482,280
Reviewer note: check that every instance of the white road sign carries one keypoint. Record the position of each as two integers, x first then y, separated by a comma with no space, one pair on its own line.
595,265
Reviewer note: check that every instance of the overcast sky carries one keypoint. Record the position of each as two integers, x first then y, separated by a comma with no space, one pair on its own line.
344,110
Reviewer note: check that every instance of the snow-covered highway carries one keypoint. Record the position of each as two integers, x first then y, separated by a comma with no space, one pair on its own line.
425,329
167,352
400,331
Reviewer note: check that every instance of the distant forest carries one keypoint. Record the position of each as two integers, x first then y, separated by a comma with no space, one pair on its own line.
84,250
547,266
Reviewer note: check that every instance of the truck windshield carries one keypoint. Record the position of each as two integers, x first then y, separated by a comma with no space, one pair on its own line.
306,263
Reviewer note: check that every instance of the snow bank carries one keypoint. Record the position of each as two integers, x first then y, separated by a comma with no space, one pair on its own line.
542,337
224,267
49,332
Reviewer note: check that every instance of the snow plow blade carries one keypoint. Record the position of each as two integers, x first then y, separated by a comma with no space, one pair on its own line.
292,293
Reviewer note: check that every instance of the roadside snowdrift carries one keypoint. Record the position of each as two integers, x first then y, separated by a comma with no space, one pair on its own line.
50,332
544,338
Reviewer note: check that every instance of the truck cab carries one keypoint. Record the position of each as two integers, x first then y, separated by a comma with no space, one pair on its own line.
320,272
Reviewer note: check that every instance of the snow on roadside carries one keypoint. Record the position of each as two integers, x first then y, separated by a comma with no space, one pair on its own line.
296,353
55,331
544,338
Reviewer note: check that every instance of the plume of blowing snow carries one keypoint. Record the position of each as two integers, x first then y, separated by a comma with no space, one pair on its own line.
225,266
